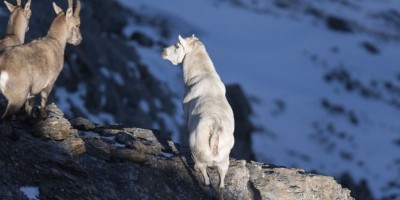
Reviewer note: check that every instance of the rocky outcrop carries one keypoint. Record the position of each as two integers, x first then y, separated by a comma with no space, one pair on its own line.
84,160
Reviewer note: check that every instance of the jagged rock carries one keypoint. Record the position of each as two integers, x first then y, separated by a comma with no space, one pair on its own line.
129,155
142,39
338,24
152,168
55,127
284,183
98,148
74,145
83,124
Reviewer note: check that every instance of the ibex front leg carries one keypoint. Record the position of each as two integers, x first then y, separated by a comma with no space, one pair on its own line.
44,94
29,106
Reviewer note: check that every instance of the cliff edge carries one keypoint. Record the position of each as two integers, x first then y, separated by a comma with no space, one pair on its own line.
79,159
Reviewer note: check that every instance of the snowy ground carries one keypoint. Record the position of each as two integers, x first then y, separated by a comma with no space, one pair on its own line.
32,193
280,58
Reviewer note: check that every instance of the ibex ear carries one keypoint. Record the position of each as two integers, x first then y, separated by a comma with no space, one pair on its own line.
182,41
57,9
69,12
10,6
28,6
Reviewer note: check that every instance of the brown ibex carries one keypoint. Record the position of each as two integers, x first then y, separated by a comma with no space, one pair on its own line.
30,69
17,24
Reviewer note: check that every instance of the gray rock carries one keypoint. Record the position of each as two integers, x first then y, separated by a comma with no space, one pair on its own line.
81,123
123,138
55,127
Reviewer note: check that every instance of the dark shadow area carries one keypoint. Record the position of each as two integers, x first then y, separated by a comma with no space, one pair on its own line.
359,190
256,194
243,126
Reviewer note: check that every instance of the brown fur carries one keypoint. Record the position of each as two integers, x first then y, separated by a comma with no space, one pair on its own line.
17,24
33,68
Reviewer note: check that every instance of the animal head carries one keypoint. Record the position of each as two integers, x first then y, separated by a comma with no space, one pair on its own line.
176,53
73,21
20,16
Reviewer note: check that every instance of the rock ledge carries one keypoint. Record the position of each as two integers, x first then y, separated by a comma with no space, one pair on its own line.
84,160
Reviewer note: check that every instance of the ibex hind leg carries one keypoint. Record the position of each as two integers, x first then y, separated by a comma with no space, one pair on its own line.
222,171
203,169
11,109
29,108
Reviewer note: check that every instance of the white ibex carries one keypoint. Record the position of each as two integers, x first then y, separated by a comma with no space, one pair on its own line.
208,114
17,24
30,69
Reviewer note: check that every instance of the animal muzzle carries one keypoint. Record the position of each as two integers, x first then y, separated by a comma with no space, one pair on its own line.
79,40
76,41
164,53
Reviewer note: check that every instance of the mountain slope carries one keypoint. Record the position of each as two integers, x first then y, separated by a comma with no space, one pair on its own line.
323,77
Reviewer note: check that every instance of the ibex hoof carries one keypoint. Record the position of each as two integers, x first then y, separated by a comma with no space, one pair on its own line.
221,193
43,114
33,115
32,119
196,169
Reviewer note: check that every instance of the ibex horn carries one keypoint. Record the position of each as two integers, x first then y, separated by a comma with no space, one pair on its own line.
69,4
77,8
18,2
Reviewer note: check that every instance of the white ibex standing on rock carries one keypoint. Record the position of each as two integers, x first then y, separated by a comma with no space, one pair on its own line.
208,114
17,24
30,69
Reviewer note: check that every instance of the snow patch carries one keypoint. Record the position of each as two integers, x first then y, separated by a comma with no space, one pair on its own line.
117,77
167,155
90,134
68,99
31,192
144,106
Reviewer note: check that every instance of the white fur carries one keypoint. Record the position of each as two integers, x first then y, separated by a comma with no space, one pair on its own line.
3,81
208,114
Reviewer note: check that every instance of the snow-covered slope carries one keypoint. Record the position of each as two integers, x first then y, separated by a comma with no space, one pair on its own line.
323,76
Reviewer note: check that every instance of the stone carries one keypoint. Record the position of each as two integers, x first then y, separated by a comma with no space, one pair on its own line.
123,138
74,144
129,155
81,123
55,127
